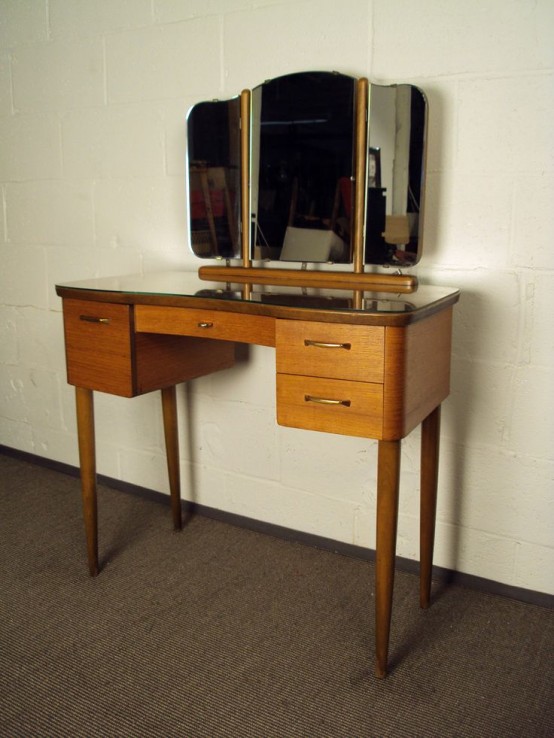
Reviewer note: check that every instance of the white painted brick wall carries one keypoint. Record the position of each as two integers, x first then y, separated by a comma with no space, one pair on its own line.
57,75
93,99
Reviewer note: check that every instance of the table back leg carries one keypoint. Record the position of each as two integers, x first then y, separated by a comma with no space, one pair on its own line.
87,459
430,433
171,432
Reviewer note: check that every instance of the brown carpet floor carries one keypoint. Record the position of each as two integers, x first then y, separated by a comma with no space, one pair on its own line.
220,631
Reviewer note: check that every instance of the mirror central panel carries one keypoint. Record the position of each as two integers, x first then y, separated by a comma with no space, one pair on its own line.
302,168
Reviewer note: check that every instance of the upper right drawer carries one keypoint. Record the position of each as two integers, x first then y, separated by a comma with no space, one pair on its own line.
332,350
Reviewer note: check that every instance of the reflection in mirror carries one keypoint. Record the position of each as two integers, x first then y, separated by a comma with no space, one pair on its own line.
213,143
395,170
302,167
317,299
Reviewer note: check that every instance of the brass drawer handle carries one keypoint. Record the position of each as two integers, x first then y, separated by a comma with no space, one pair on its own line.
94,319
205,325
326,401
322,344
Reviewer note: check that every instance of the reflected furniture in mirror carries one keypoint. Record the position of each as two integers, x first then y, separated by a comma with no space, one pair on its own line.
357,353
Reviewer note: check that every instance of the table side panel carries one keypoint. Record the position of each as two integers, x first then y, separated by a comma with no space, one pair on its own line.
163,361
417,372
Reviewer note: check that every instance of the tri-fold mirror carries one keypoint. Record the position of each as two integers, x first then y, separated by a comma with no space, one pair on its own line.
323,163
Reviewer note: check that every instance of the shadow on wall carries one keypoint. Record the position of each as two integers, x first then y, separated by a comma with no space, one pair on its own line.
436,127
461,416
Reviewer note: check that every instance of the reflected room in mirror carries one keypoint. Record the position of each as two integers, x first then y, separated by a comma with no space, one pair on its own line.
396,148
302,168
302,155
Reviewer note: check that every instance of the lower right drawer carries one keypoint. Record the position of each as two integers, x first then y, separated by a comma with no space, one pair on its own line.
330,405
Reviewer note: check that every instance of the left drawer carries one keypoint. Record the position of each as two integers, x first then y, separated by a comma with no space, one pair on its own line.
98,345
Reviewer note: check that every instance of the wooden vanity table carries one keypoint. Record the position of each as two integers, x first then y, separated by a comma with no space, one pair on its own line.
294,170
374,366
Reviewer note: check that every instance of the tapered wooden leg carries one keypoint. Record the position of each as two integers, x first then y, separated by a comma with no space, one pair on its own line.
87,459
169,408
388,480
430,433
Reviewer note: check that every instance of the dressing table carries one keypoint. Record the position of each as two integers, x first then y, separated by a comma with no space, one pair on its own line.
357,353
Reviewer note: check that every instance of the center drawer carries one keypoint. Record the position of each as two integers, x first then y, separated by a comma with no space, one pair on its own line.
218,324
354,352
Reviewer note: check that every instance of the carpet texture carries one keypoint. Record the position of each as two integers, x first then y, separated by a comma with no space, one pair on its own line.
220,631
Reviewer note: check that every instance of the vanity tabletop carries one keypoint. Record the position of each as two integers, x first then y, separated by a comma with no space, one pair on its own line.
187,290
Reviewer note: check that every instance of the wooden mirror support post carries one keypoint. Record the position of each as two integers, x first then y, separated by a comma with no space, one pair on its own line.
360,175
245,118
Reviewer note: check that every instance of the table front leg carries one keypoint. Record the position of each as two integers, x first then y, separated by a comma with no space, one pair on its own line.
171,432
388,481
87,460
430,433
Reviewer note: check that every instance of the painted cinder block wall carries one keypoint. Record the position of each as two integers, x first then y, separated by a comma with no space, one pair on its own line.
93,97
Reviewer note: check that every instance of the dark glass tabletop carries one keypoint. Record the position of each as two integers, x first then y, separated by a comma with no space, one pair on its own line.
188,285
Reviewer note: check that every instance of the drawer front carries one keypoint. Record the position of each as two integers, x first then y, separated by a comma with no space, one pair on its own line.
217,324
330,405
332,350
98,346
